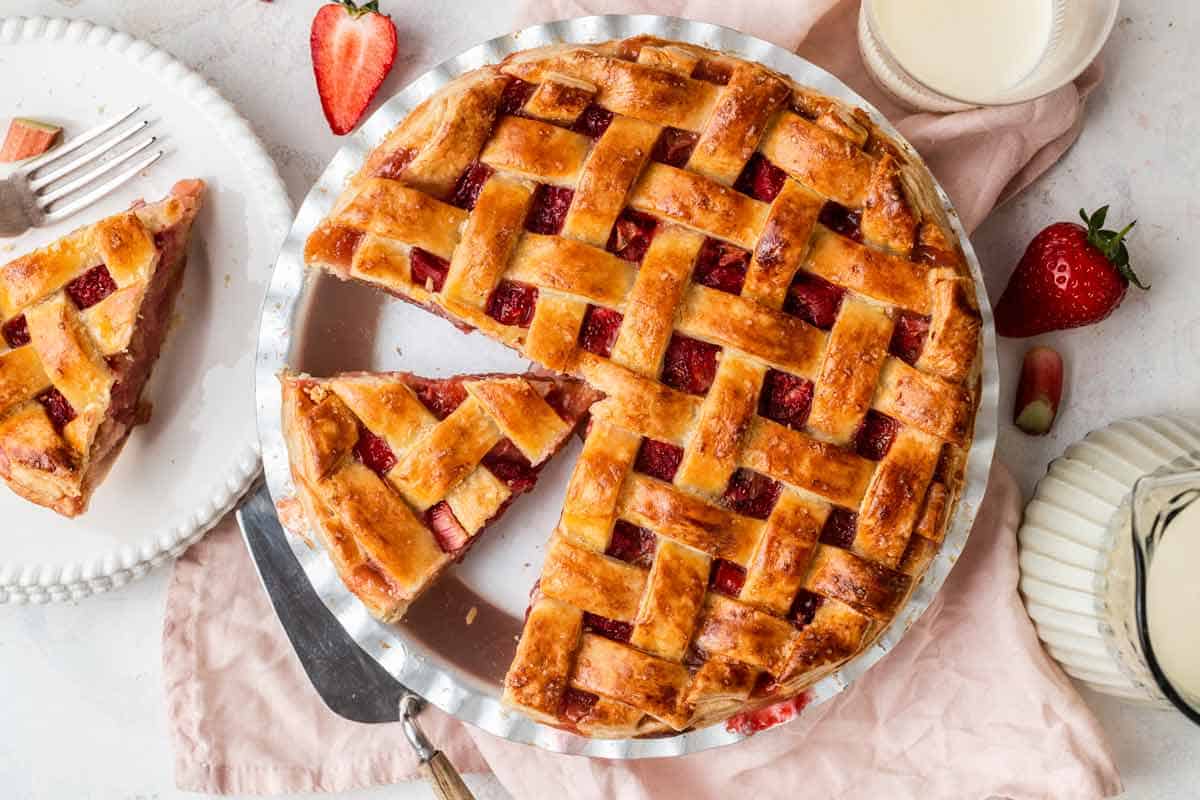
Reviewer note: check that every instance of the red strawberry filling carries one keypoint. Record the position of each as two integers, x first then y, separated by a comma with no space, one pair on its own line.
451,536
16,332
599,331
440,397
576,705
58,408
549,209
609,628
908,336
786,399
761,179
751,494
726,577
874,437
752,722
374,452
689,364
514,96
427,269
394,165
839,527
721,266
658,459
814,300
470,184
631,236
674,147
510,465
593,122
804,607
512,303
840,219
91,287
632,544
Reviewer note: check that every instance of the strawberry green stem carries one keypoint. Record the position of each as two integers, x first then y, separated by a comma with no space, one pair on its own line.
356,10
1111,243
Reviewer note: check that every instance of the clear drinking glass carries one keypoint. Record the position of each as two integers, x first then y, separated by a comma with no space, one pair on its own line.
1074,32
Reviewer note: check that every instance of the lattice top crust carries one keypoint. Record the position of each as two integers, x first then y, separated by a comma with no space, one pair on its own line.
81,322
763,285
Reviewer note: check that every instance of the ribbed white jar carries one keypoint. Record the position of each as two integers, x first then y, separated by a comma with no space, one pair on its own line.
1075,551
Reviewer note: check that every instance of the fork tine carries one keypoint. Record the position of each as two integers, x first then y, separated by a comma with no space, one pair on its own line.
103,189
87,177
78,142
85,158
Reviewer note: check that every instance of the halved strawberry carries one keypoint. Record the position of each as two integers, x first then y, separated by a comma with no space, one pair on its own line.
28,138
353,48
1039,392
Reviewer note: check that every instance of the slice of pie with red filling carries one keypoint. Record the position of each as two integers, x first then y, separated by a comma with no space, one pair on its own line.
399,474
81,325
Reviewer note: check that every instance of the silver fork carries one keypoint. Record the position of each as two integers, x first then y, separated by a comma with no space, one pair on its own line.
53,186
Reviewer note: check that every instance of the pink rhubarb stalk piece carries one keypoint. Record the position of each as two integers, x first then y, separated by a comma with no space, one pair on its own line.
1039,391
28,138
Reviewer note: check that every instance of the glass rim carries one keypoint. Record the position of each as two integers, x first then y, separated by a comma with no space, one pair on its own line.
867,10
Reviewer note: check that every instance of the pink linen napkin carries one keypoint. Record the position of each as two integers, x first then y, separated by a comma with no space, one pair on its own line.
966,706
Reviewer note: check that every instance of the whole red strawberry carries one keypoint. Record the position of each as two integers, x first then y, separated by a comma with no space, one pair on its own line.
353,48
1070,276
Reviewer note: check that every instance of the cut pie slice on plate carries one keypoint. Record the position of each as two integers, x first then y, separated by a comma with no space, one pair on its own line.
82,324
399,474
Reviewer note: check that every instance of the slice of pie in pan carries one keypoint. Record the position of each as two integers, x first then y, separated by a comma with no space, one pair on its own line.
399,474
81,322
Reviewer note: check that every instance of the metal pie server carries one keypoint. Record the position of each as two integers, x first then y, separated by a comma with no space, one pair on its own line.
350,682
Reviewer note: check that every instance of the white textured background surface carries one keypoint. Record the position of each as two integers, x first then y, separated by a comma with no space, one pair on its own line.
81,702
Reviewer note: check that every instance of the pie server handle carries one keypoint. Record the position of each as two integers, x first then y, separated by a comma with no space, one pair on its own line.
435,766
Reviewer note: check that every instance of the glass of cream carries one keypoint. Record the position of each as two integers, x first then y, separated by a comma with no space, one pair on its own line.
1165,517
950,55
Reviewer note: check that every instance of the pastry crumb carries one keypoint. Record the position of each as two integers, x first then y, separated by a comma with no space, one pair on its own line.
228,280
291,517
474,612
384,645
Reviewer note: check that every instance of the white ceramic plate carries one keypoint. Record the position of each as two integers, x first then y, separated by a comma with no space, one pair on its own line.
183,470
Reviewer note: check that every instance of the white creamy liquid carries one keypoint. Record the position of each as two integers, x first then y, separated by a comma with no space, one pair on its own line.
1173,602
967,49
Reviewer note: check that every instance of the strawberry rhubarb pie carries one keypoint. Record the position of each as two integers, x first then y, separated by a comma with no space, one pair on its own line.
82,322
761,285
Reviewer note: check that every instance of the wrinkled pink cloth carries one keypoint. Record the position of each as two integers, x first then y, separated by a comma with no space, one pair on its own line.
966,706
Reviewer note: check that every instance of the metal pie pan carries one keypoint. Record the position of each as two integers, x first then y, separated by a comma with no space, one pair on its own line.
457,640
